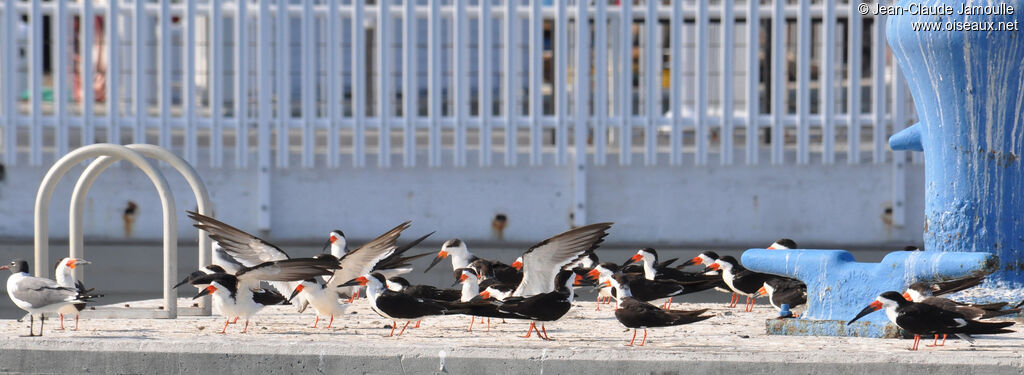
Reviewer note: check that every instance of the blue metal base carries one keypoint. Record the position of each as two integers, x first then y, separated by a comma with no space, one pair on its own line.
806,327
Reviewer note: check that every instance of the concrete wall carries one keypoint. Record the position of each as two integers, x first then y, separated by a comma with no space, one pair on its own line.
822,205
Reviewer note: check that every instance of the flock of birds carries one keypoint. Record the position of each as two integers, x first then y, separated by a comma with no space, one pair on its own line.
538,286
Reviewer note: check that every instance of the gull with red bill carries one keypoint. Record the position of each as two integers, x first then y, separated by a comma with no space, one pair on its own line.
924,319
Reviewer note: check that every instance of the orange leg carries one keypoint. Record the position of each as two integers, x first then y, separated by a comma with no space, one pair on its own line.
76,328
942,344
734,300
936,341
529,331
61,321
542,328
246,328
917,339
488,324
330,322
315,322
599,300
394,325
417,324
471,321
407,322
225,330
645,338
633,339
234,321
354,296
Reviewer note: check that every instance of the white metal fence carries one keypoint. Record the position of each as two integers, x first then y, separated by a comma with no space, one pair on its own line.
464,82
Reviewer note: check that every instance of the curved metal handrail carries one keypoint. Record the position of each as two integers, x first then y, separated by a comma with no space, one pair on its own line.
63,165
76,215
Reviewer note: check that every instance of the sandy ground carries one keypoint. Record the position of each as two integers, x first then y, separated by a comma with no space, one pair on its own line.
730,331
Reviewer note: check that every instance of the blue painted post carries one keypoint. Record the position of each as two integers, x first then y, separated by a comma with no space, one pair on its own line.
967,90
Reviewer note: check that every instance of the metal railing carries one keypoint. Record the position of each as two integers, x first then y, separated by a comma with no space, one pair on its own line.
675,84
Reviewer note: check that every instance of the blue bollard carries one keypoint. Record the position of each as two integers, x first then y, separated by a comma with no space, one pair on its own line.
838,287
967,91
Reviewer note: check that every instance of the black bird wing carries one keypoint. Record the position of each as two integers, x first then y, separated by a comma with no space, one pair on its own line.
925,319
403,306
361,261
634,313
542,307
296,269
247,249
952,286
396,260
544,260
267,297
484,309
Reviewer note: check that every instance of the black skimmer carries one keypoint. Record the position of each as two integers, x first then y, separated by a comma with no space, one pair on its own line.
642,288
233,301
783,244
921,292
784,291
636,314
65,277
399,306
337,242
487,269
38,295
542,307
741,280
706,258
925,319
400,284
542,295
324,300
653,270
470,297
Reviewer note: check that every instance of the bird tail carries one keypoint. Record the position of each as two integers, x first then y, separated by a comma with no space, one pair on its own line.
986,328
687,319
995,313
85,295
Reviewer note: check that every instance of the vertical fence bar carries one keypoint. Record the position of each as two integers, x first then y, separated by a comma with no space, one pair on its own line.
59,64
242,85
383,83
701,104
511,113
188,90
409,88
728,41
753,81
165,73
88,29
676,89
332,67
10,89
434,82
853,60
359,85
35,49
600,117
140,60
899,158
626,83
283,89
217,84
485,103
803,100
878,49
828,101
264,112
308,101
536,82
652,83
114,72
580,126
461,88
561,98
778,82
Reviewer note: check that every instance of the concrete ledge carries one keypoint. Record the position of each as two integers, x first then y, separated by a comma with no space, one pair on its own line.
110,356
587,341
